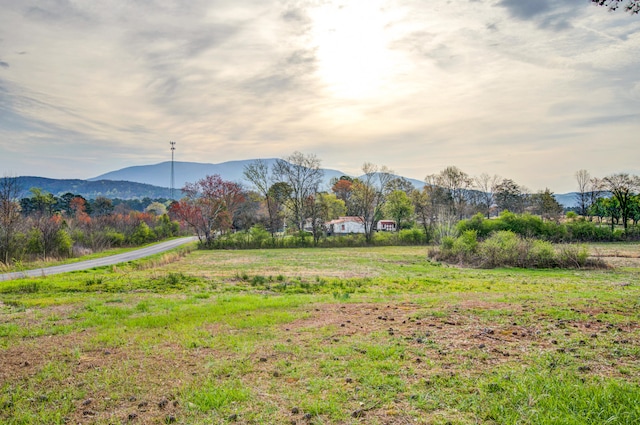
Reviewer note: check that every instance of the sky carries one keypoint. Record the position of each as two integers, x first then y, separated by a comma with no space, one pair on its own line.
528,90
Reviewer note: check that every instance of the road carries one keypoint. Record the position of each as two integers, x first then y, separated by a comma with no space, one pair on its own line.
105,261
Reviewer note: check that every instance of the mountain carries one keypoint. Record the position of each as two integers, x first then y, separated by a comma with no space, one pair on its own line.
93,189
567,200
189,172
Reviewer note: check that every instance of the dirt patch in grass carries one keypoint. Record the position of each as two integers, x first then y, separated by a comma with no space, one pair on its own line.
143,386
458,335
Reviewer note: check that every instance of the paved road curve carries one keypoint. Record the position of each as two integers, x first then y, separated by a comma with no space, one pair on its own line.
105,261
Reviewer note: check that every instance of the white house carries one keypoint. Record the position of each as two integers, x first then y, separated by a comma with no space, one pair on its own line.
345,226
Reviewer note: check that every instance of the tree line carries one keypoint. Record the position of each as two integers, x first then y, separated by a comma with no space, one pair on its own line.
287,198
42,225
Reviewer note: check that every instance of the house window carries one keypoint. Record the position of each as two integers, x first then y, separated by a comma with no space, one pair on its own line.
343,227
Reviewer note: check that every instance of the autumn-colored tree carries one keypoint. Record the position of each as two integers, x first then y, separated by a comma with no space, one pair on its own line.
208,206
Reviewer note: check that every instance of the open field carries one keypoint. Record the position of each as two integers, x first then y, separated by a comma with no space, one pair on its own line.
319,336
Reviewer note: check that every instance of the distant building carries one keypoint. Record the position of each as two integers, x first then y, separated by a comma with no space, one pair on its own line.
345,226
386,226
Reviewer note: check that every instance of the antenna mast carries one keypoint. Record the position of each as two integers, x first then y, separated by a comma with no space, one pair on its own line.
173,180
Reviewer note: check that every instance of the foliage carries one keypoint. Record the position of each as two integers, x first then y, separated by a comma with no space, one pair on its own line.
507,249
208,206
303,175
399,207
631,6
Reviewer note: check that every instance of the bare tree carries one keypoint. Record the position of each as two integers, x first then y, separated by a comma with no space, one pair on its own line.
369,195
457,184
487,184
623,188
9,215
259,175
303,175
583,197
631,6
423,209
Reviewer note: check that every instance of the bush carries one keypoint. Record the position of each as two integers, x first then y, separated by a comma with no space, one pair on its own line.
583,231
573,256
506,249
500,249
34,244
384,238
447,243
142,234
114,238
541,255
412,236
62,243
465,245
259,235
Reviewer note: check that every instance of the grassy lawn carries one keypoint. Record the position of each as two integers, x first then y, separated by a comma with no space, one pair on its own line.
323,336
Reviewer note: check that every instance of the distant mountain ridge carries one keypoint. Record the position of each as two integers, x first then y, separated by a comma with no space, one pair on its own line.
189,172
93,189
153,180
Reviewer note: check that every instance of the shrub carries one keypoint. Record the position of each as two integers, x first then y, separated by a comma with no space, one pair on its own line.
447,243
383,238
573,256
142,234
500,249
62,243
34,244
412,236
465,245
541,254
114,238
259,235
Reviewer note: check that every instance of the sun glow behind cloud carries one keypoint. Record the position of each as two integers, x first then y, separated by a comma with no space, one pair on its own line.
352,41
493,87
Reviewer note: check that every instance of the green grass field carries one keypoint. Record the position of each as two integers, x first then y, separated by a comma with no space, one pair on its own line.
323,336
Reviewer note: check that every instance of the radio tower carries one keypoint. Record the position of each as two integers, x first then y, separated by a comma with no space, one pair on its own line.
173,179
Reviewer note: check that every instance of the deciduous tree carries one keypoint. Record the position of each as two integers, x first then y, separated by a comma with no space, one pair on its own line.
456,184
399,207
259,175
486,185
208,206
303,175
369,195
9,215
623,188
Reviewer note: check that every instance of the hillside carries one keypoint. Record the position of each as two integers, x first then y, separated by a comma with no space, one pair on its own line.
188,172
153,180
93,189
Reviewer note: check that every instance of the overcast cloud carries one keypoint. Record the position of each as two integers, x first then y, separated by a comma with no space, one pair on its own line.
529,90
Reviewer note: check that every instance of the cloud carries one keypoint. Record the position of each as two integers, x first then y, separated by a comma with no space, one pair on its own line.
525,9
555,15
4,64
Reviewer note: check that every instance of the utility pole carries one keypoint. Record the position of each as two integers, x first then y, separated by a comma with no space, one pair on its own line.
173,179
